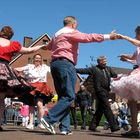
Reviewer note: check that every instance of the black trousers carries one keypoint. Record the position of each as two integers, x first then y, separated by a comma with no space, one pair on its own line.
84,109
73,114
103,107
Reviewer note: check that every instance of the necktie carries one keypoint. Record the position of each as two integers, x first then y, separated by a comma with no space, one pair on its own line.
105,75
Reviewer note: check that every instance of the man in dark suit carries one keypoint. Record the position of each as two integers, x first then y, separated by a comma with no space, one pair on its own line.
101,80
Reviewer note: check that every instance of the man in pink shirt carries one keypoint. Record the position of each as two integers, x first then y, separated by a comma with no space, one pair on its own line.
64,47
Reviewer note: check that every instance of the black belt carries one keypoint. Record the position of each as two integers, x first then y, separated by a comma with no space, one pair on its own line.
62,58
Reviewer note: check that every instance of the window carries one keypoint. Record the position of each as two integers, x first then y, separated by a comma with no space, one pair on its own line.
44,41
45,61
29,60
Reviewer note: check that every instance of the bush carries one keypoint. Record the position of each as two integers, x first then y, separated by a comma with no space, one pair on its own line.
88,119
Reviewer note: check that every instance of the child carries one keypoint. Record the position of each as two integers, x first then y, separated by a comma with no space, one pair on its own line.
25,114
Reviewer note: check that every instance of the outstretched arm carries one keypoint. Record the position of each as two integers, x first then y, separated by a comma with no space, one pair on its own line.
84,71
131,40
128,58
19,69
24,50
16,47
85,38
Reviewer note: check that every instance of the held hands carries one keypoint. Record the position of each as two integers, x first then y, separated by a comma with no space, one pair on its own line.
114,35
45,46
120,36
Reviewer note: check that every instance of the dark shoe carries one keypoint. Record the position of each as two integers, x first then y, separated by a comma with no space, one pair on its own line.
94,129
131,134
1,129
115,128
75,126
83,128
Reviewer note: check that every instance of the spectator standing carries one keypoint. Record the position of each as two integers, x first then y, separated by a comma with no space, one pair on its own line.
24,112
84,102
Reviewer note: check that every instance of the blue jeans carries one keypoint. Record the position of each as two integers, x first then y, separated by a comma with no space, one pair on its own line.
64,77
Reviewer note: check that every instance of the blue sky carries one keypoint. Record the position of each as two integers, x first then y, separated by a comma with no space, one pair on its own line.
36,17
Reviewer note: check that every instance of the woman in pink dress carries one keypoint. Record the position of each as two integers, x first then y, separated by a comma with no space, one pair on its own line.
8,79
128,86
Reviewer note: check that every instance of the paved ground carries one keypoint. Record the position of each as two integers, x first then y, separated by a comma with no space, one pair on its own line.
20,133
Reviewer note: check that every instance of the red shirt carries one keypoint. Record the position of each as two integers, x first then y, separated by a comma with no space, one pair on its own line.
7,52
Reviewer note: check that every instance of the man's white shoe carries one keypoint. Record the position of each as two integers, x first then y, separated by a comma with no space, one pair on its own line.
48,126
66,133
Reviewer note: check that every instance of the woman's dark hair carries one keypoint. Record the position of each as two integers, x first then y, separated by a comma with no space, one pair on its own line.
6,32
137,29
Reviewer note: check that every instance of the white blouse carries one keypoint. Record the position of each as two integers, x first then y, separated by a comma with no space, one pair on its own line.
137,53
36,74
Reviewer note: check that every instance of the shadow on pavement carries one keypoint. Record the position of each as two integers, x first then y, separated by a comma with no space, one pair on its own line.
110,135
37,132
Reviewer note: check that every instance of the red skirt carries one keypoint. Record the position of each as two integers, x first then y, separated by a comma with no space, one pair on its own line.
39,90
42,88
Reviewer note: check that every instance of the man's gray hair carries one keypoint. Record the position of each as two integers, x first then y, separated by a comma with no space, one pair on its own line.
101,58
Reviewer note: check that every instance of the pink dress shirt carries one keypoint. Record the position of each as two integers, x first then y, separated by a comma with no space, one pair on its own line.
65,43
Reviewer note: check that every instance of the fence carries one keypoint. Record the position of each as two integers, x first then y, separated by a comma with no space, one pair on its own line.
13,116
